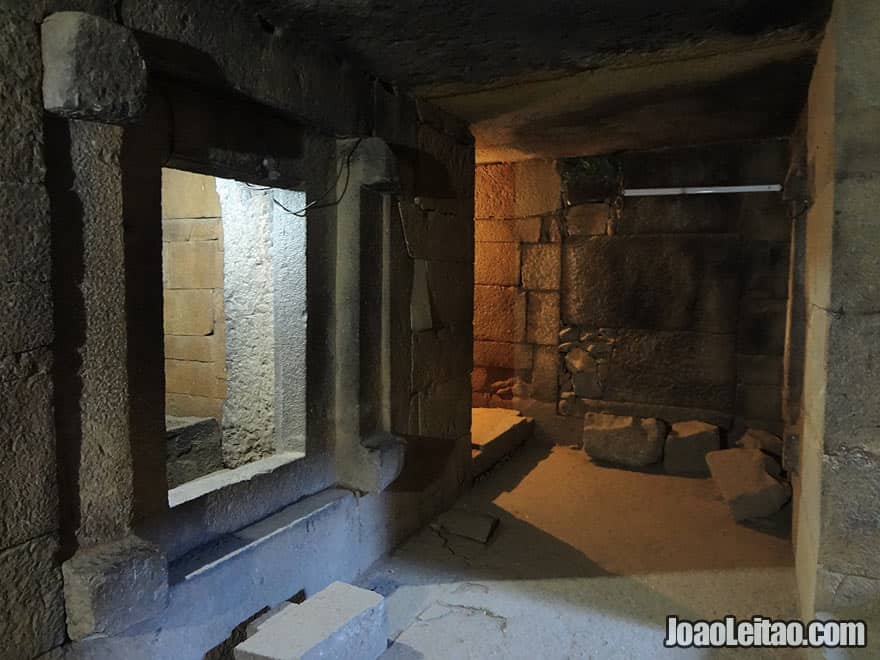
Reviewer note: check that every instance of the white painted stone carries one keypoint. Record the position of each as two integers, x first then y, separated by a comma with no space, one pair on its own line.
342,621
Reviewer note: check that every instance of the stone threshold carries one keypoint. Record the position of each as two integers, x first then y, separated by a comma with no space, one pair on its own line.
222,478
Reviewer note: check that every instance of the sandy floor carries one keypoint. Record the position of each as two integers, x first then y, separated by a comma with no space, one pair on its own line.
587,563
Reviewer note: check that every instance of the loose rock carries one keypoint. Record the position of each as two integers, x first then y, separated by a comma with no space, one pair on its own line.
686,447
745,484
627,441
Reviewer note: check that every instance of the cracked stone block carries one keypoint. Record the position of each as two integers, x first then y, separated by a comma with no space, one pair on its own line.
342,621
686,447
627,441
109,588
746,485
92,69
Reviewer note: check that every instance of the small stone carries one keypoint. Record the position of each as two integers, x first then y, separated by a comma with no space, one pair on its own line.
763,440
746,486
505,393
686,447
628,441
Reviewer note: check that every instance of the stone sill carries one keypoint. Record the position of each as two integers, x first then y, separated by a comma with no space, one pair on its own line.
215,481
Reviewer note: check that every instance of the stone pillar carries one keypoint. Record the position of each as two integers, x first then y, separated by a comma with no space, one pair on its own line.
110,389
368,455
838,514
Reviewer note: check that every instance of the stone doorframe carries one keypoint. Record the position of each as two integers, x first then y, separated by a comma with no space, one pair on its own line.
122,127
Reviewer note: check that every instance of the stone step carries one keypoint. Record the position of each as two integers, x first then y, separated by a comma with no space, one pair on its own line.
341,622
495,433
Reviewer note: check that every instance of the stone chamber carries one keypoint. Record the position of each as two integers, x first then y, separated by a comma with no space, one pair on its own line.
464,306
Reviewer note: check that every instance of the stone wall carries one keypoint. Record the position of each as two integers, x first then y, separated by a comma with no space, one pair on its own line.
192,268
93,244
838,524
660,306
31,605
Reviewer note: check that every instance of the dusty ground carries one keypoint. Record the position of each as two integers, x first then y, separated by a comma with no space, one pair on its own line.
587,563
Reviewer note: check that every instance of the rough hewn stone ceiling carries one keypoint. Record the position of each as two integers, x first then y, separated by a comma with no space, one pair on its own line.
564,77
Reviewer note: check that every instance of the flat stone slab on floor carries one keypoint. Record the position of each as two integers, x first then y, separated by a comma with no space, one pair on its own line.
744,478
495,433
342,621
466,524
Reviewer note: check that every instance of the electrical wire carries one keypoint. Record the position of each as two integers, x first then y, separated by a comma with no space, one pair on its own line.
301,213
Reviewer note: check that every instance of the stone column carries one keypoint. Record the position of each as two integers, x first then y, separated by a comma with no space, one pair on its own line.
838,513
108,247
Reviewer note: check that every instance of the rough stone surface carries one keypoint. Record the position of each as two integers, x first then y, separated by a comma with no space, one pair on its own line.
690,214
497,263
627,441
445,410
340,621
499,314
495,192
686,447
249,410
32,606
28,491
21,108
541,267
674,368
109,588
24,217
749,490
507,356
92,69
660,282
194,448
518,230
587,219
545,374
543,318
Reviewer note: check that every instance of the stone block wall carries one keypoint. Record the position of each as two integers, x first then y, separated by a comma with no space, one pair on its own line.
517,275
75,273
31,603
192,273
668,306
837,519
